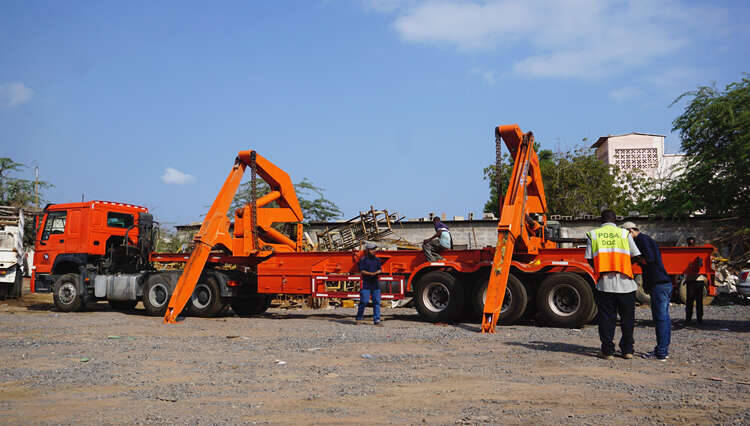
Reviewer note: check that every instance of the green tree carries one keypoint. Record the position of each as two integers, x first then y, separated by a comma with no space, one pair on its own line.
715,134
311,199
15,191
575,183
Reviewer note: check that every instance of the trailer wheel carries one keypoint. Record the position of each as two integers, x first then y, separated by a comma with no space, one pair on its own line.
439,297
565,300
66,295
514,302
123,305
206,298
253,305
156,295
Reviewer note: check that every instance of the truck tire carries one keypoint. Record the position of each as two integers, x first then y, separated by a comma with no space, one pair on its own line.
156,294
122,305
17,290
565,300
640,295
514,303
206,299
682,292
439,298
65,293
254,305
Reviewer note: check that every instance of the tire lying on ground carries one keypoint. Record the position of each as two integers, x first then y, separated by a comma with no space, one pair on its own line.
253,305
156,294
514,303
65,293
206,298
640,294
565,300
438,297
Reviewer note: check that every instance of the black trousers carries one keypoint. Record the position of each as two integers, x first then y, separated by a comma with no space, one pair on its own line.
611,304
694,295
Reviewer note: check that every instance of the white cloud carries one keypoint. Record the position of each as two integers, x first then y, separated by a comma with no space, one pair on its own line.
487,75
573,38
624,93
15,93
176,177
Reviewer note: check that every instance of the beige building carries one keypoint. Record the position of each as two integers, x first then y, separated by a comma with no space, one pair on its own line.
634,150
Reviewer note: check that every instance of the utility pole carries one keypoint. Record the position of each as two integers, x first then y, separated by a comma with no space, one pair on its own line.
36,185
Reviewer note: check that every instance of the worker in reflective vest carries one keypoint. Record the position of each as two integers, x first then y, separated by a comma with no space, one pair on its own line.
611,251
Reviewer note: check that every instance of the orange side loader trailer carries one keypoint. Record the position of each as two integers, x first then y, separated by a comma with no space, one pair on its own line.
488,284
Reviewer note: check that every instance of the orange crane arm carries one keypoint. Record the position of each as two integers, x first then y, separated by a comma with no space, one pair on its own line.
250,222
516,229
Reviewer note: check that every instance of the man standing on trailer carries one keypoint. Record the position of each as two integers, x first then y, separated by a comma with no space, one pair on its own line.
659,285
611,251
440,241
369,267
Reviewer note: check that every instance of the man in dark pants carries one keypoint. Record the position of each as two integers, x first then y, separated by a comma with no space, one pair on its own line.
659,285
694,286
610,251
369,267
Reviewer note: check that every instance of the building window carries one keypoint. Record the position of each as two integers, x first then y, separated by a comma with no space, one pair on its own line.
637,158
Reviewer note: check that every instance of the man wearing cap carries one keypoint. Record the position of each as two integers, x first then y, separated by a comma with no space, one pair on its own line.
369,267
657,282
694,283
610,251
439,241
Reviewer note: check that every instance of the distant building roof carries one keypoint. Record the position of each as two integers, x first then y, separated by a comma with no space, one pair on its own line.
602,139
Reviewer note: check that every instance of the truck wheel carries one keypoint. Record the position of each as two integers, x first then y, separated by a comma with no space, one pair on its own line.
17,290
640,295
682,292
253,305
206,298
514,303
123,305
66,295
439,297
156,294
565,300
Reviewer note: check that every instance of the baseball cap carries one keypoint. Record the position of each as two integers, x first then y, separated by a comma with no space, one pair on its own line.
371,246
629,225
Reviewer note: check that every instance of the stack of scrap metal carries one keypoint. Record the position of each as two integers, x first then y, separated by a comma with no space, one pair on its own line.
371,225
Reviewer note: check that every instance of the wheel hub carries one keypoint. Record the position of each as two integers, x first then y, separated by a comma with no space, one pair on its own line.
67,293
436,297
564,300
158,295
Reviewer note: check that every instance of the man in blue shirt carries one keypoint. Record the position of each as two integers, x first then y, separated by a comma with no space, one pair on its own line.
657,282
439,241
369,267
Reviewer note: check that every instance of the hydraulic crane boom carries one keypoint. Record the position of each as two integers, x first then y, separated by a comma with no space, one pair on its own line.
254,238
517,230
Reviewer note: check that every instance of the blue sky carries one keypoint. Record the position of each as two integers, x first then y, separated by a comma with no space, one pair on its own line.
384,103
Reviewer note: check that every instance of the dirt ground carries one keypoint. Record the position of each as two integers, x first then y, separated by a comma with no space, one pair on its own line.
315,366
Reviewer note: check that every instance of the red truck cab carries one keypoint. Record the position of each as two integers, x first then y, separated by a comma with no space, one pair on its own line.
93,236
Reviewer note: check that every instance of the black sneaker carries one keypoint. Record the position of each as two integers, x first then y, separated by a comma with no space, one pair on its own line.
652,355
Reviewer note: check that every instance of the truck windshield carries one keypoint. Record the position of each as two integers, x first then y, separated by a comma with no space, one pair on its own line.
55,224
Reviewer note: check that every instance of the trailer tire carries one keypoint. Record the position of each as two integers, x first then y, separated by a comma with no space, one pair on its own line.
439,297
514,303
565,300
66,294
123,305
254,305
206,298
156,294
